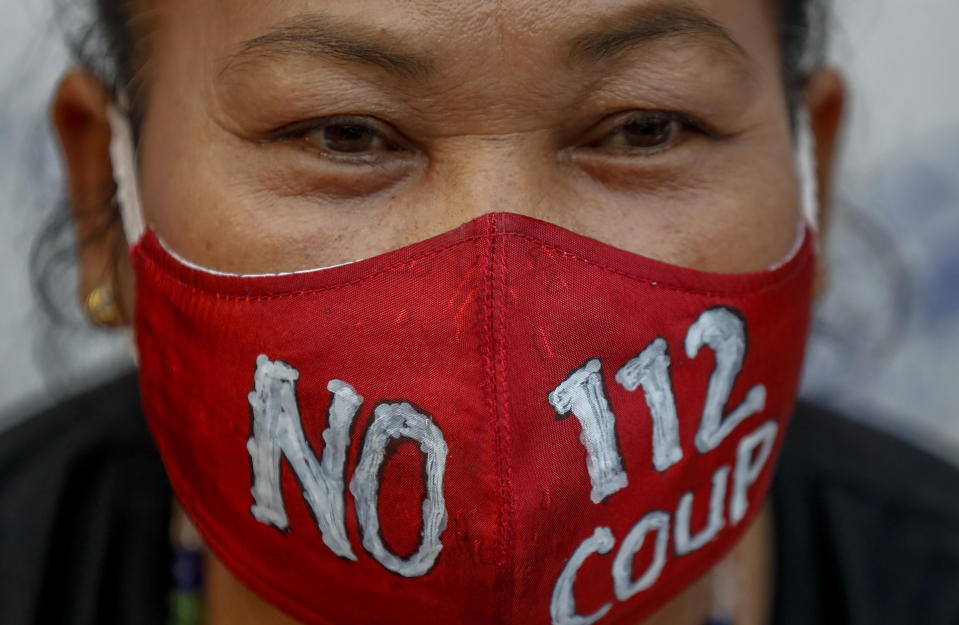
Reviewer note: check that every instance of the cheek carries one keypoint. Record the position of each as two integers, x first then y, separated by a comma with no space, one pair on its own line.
734,212
709,229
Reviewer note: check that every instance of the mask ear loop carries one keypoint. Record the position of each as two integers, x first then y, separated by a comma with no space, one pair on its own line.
806,168
805,159
124,162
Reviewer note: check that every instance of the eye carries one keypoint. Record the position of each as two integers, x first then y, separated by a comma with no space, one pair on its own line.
344,137
649,132
645,133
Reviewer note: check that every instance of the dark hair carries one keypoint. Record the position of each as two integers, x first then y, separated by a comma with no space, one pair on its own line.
803,33
113,41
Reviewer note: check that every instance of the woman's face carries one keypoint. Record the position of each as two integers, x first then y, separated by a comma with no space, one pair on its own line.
293,134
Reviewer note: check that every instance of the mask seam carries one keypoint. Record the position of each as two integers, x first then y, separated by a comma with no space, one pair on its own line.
492,361
505,435
565,253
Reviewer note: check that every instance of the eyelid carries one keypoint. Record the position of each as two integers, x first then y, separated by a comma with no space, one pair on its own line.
619,120
602,138
299,131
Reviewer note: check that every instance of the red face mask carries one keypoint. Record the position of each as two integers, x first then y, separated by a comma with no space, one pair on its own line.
506,423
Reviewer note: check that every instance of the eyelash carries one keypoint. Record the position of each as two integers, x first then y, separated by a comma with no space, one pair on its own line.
617,124
300,132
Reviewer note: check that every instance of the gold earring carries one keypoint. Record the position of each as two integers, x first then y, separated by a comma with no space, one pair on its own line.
102,307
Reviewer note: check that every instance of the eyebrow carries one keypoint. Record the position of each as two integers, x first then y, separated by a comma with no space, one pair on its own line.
318,34
641,25
321,35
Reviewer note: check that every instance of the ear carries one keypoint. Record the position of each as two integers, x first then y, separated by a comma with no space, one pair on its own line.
79,115
825,96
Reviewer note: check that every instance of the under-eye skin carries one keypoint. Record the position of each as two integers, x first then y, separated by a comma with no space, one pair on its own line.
346,139
646,133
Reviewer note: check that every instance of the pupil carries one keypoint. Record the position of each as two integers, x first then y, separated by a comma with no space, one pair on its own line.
349,139
648,133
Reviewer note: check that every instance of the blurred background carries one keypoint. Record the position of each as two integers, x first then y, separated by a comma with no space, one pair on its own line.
886,343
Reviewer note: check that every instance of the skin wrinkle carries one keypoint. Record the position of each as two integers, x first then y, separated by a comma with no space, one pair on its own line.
646,24
317,34
671,26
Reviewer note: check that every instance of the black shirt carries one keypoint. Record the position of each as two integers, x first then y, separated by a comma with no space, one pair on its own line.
867,527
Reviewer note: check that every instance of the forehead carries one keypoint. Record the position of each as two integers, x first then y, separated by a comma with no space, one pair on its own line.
451,34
